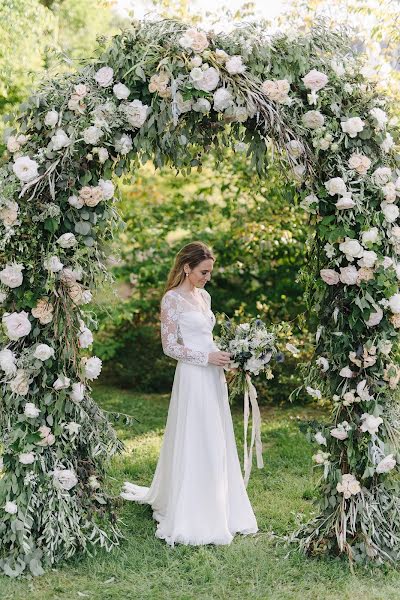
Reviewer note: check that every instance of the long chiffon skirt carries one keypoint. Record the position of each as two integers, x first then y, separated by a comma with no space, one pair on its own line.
197,494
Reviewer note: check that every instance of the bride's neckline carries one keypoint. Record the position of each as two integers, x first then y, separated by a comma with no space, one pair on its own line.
193,297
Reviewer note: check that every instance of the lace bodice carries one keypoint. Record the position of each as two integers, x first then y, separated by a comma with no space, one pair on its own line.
186,327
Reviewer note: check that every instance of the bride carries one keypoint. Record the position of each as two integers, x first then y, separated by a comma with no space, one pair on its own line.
197,494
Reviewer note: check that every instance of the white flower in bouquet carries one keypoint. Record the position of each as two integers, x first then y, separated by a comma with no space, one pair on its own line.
295,148
380,117
291,348
234,65
345,202
222,99
346,372
394,303
61,383
47,438
135,112
93,482
360,163
43,352
9,213
310,203
348,275
254,365
53,264
323,363
76,202
11,275
26,458
67,240
314,393
368,259
60,140
14,143
349,486
315,80
387,144
20,384
159,83
102,153
43,311
195,61
321,458
276,90
385,346
194,40
66,478
370,423
121,91
11,508
371,236
381,175
205,80
25,169
352,126
31,410
91,195
92,367
390,211
313,119
341,432
16,325
375,318
78,392
391,374
107,187
202,105
7,361
386,464
123,144
92,135
85,338
72,428
336,185
390,192
351,248
104,76
182,105
320,439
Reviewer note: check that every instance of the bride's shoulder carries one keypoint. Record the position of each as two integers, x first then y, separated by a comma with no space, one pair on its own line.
206,294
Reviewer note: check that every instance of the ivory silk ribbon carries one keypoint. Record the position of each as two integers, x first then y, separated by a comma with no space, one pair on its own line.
251,392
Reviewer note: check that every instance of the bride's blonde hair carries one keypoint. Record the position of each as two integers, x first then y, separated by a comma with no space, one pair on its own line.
191,254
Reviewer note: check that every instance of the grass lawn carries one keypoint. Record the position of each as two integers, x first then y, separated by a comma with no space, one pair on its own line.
251,567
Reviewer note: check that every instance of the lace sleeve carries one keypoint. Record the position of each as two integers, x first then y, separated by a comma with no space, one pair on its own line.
169,335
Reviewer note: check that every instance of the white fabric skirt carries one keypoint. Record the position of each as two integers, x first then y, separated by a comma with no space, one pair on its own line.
198,494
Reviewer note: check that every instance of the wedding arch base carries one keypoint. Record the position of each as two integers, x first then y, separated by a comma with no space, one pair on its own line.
166,92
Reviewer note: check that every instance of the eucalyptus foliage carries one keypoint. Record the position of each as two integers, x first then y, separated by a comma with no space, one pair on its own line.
164,92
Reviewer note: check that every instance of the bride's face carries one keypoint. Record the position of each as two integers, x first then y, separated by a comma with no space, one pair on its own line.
201,273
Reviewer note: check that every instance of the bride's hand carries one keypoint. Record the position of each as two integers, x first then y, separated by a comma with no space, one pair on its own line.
219,358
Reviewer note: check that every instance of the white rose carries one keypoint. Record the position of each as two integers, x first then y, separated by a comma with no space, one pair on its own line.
51,118
182,105
330,276
208,81
61,383
195,61
394,304
310,203
194,39
313,119
360,163
368,259
295,148
390,192
92,367
351,248
370,423
78,392
53,264
43,352
387,144
123,144
66,478
121,91
375,318
320,439
135,113
339,433
315,80
25,169
92,135
352,126
370,236
7,361
12,144
27,458
104,76
390,211
11,508
346,372
386,464
338,68
85,338
345,202
276,90
336,185
31,410
379,116
102,153
76,202
20,384
234,65
48,438
321,457
222,99
349,486
202,105
60,140
381,175
11,275
16,324
9,213
67,240
107,188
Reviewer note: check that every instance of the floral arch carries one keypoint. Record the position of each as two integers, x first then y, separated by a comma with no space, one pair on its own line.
170,93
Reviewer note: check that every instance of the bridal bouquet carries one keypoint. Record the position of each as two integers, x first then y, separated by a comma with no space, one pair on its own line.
251,346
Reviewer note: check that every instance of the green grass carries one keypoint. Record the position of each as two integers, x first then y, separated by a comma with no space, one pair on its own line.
251,567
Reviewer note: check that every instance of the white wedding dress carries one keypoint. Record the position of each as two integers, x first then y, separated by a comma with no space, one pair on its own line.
197,494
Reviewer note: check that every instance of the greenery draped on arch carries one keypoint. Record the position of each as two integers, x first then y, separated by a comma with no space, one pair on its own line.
164,92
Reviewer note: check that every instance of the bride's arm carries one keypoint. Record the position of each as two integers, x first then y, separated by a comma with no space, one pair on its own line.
169,335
